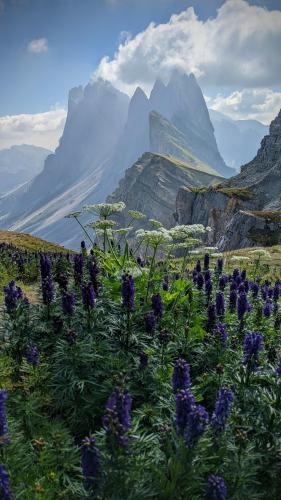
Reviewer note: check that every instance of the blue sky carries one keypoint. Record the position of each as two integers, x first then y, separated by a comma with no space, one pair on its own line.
79,34
49,46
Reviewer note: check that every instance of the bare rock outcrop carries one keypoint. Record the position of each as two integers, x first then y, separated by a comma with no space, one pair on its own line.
244,210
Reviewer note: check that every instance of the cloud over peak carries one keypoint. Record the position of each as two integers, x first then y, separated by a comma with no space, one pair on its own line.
240,46
40,129
38,45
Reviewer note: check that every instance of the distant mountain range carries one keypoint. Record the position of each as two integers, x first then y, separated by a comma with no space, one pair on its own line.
238,140
105,133
20,164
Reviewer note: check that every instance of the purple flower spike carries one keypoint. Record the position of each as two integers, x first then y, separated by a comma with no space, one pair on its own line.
128,292
181,375
222,410
216,488
90,460
253,345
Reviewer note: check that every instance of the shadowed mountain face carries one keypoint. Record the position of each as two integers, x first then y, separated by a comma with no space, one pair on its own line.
246,209
104,134
20,164
238,140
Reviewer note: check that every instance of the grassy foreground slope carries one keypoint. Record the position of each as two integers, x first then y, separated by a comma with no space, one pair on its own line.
29,243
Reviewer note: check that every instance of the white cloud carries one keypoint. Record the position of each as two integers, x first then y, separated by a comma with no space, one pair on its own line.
38,45
41,129
257,104
240,46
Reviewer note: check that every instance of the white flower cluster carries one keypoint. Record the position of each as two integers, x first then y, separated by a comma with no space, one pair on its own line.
105,209
73,215
155,223
123,230
210,249
102,225
154,237
239,258
260,252
135,214
183,232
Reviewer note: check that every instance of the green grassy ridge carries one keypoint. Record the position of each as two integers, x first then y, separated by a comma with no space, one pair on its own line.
241,193
29,243
186,166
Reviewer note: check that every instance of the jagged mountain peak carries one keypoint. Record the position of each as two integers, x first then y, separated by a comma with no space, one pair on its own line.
138,102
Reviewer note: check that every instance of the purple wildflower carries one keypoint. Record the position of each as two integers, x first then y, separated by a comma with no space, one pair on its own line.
117,419
45,266
128,292
216,488
220,307
47,290
150,322
222,410
157,305
278,369
220,332
267,309
276,292
200,281
181,375
222,282
78,268
13,294
255,289
220,265
90,460
206,261
3,418
198,266
165,284
5,491
143,360
242,305
207,276
212,317
253,344
32,355
68,300
264,292
208,288
235,274
197,422
88,296
184,404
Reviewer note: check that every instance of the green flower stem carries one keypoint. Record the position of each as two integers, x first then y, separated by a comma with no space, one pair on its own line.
85,231
111,249
151,271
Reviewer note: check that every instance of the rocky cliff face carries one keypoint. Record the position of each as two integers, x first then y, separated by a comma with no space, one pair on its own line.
151,185
244,210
